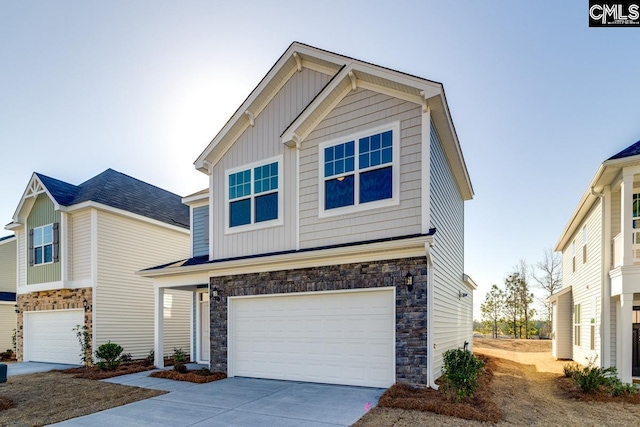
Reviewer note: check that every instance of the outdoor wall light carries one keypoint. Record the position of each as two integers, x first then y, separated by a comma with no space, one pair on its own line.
86,305
16,309
408,280
214,293
462,294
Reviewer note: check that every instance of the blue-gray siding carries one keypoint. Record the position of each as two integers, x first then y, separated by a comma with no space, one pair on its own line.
200,230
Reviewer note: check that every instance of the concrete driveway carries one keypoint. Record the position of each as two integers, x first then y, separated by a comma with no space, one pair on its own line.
23,368
243,402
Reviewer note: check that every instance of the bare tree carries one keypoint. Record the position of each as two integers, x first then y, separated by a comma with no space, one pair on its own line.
492,308
548,275
522,277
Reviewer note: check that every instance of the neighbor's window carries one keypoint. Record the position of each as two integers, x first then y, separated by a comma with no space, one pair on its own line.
576,324
253,194
359,171
573,256
43,244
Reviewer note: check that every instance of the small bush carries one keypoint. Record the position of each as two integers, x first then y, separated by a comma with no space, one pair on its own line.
109,355
150,359
126,358
622,389
203,371
570,369
179,360
460,373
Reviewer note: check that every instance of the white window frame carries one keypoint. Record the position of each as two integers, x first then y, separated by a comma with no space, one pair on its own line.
42,245
395,172
577,325
253,225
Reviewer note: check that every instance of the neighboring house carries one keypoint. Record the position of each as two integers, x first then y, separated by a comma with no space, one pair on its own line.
79,247
596,314
335,243
8,265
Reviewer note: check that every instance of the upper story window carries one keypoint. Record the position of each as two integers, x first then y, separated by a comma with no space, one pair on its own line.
360,171
253,196
584,244
573,256
43,244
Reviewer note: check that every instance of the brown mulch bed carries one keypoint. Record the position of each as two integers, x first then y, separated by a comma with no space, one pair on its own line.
481,407
50,397
95,373
570,390
191,376
6,403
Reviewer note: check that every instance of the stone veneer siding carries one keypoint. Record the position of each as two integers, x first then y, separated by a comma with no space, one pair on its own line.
411,307
58,299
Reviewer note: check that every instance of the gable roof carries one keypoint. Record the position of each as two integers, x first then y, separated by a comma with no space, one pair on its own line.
605,175
11,236
120,191
346,74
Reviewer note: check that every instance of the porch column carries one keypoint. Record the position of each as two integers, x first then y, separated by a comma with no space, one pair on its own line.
625,329
626,227
158,328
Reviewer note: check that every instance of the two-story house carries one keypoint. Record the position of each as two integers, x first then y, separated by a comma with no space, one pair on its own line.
78,250
329,246
596,315
8,266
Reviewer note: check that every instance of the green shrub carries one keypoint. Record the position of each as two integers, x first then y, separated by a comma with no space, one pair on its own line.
460,373
109,355
83,334
593,379
150,359
179,360
126,358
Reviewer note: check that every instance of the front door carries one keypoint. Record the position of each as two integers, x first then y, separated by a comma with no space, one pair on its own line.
204,323
635,359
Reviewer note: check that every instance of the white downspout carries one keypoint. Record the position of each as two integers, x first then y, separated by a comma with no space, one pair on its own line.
430,344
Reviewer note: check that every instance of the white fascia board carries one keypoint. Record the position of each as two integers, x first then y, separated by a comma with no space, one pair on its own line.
196,199
404,248
116,211
13,226
561,293
182,280
9,240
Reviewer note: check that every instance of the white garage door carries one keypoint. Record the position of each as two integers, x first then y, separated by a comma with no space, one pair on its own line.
49,336
326,337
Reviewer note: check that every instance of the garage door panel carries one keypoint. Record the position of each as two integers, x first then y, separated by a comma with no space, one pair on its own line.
343,338
49,336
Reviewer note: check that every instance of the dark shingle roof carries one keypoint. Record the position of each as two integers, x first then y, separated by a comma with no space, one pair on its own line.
631,150
121,191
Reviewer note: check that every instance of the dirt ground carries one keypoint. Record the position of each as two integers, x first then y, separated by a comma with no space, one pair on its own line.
525,388
51,397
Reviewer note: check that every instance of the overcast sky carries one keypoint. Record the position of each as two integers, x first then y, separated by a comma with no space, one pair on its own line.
538,98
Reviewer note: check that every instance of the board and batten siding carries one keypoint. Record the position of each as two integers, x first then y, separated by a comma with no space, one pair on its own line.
124,301
8,254
80,245
43,213
586,283
258,143
452,324
361,110
200,231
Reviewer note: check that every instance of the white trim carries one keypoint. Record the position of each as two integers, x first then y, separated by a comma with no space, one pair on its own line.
63,241
94,276
198,328
425,190
34,188
42,245
394,127
9,240
196,198
297,179
395,249
280,191
192,326
110,209
191,231
8,303
431,346
211,216
230,325
48,286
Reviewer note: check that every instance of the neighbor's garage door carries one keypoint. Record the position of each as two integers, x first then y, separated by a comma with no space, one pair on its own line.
49,336
326,337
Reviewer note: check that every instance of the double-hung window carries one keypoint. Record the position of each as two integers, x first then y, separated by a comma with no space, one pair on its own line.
253,195
42,244
360,171
577,323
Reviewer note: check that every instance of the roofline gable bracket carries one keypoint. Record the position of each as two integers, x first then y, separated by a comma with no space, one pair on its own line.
354,80
298,61
252,118
425,103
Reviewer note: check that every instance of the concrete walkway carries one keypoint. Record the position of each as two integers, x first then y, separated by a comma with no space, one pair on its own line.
237,402
23,368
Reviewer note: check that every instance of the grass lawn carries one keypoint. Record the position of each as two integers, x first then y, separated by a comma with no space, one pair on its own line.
51,397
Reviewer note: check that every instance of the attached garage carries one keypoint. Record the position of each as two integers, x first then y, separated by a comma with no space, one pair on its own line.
339,337
49,336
